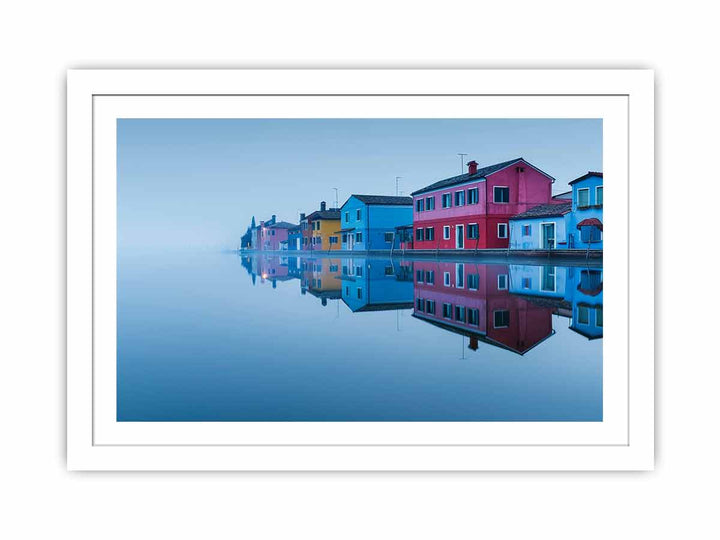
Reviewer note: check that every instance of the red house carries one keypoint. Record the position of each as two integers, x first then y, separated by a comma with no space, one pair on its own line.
471,211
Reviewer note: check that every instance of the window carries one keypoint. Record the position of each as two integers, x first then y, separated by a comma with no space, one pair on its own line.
447,311
347,291
345,270
319,283
501,194
590,234
446,200
501,318
273,232
420,205
419,276
389,271
472,231
419,234
344,238
430,233
459,275
473,316
430,307
583,198
502,230
430,203
358,214
526,283
473,280
358,237
446,279
473,197
359,293
599,196
526,230
459,198
446,232
347,217
502,282
358,270
460,313
430,277
420,304
599,316
333,267
389,237
583,315
333,239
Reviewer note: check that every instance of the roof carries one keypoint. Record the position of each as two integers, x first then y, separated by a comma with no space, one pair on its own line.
481,173
333,213
584,176
563,195
545,210
282,225
387,200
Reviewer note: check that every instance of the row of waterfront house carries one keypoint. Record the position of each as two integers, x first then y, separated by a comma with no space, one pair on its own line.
508,205
506,305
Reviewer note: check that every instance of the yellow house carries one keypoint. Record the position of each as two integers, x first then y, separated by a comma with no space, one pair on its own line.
324,229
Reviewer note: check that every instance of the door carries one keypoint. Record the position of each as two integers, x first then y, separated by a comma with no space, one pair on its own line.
350,240
459,236
548,236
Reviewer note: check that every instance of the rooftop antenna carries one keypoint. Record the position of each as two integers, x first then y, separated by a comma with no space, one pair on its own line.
336,197
397,185
462,162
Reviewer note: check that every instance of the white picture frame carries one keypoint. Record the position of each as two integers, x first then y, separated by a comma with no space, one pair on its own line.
623,98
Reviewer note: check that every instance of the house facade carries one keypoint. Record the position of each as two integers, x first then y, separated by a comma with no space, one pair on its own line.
368,222
542,227
472,210
295,238
323,226
273,237
585,228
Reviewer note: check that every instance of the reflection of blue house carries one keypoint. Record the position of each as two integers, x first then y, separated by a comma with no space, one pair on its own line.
573,292
541,227
586,219
368,222
376,285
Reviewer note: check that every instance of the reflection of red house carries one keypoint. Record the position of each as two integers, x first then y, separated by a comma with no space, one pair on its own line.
471,211
473,300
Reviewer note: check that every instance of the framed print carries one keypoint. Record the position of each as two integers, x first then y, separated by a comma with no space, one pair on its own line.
360,270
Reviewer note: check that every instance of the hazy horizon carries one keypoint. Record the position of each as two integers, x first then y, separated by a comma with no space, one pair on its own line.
198,182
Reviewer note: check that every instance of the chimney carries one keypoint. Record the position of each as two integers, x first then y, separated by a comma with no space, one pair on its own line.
323,206
302,216
273,218
472,167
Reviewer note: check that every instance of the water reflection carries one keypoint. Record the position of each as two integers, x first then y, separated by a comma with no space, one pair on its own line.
510,306
356,339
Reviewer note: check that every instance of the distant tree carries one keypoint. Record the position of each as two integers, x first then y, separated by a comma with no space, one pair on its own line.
252,223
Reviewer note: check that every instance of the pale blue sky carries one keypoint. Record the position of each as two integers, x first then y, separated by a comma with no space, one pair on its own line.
197,183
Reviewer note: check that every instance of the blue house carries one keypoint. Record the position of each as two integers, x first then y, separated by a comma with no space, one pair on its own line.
294,241
573,221
542,227
376,284
368,222
586,219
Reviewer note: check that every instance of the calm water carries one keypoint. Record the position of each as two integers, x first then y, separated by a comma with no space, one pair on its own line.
222,337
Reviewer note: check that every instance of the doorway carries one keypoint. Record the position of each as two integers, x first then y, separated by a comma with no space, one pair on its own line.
459,236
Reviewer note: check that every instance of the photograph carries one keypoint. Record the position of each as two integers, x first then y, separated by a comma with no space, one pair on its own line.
360,269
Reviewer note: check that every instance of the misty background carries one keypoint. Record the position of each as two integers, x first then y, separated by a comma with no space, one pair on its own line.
196,183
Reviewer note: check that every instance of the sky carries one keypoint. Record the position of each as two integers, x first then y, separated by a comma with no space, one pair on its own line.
196,183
